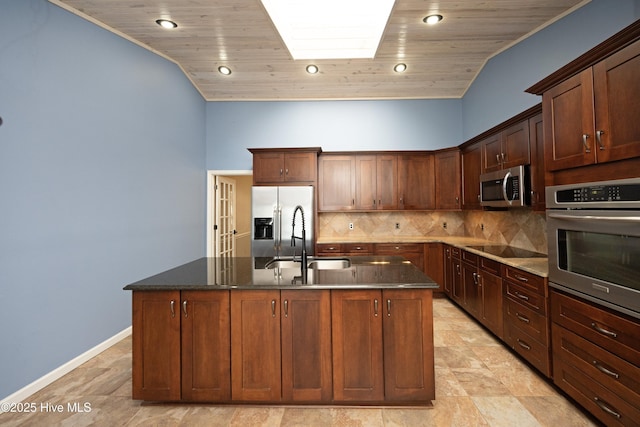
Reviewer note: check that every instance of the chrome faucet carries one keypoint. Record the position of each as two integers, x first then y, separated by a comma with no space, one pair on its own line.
303,255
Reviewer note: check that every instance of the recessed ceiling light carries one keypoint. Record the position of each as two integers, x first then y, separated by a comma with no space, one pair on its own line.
312,69
432,19
330,29
224,70
400,68
165,23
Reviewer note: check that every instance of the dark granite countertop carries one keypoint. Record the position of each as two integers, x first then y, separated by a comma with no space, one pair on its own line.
365,272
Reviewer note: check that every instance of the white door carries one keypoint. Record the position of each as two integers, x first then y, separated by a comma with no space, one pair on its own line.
225,218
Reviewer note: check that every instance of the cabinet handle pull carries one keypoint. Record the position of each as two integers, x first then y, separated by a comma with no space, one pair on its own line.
458,268
273,308
603,331
585,136
522,318
523,344
286,171
173,308
286,308
184,307
475,278
375,307
599,134
604,370
606,408
521,278
502,157
498,158
388,308
522,297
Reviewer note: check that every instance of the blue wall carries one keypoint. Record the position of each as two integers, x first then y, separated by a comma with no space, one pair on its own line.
498,92
232,127
102,182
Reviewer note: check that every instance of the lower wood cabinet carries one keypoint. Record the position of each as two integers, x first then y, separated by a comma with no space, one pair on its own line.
596,358
255,346
382,345
290,346
181,346
306,346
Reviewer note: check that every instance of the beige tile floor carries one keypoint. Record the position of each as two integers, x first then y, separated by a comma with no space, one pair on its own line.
479,382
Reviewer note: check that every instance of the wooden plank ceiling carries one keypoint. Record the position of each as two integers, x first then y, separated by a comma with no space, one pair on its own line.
442,60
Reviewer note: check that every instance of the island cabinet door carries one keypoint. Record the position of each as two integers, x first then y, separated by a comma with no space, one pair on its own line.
306,345
357,345
206,346
408,345
156,345
255,346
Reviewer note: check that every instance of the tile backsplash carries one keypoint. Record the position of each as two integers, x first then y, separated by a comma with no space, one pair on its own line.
517,227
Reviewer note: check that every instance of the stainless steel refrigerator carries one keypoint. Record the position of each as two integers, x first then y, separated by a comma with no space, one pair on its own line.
272,211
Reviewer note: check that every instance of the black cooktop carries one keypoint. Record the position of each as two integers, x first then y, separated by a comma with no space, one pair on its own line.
505,251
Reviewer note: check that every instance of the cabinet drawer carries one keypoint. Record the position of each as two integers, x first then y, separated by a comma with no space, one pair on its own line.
525,345
470,257
527,320
525,279
393,248
489,265
604,404
455,252
616,374
616,333
526,296
328,248
357,248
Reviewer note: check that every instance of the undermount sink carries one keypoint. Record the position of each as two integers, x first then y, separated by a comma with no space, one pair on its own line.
315,263
329,263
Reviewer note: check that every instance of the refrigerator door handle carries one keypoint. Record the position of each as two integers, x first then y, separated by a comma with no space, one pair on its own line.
277,219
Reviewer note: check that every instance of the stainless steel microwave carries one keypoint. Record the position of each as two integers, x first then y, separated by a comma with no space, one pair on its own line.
506,188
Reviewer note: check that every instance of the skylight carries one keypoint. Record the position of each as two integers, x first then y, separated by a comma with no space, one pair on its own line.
330,29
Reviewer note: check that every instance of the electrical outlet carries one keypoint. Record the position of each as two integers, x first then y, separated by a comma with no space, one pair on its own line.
350,226
397,226
444,225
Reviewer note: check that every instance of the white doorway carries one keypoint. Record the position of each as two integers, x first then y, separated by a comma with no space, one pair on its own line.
229,213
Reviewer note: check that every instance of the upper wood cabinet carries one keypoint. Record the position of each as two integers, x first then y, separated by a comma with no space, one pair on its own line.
506,149
471,166
376,182
416,181
536,139
284,166
448,174
592,117
336,182
590,112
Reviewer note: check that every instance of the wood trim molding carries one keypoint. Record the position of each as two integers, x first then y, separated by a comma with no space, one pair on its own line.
613,44
286,150
526,114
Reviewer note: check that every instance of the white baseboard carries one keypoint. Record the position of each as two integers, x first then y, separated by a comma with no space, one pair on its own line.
47,379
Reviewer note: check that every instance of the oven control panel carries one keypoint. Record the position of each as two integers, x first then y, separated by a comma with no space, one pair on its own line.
598,194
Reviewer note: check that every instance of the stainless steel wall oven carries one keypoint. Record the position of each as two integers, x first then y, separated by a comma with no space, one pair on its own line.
594,242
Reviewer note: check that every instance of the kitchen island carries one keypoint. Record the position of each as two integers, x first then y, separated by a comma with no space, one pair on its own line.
357,331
